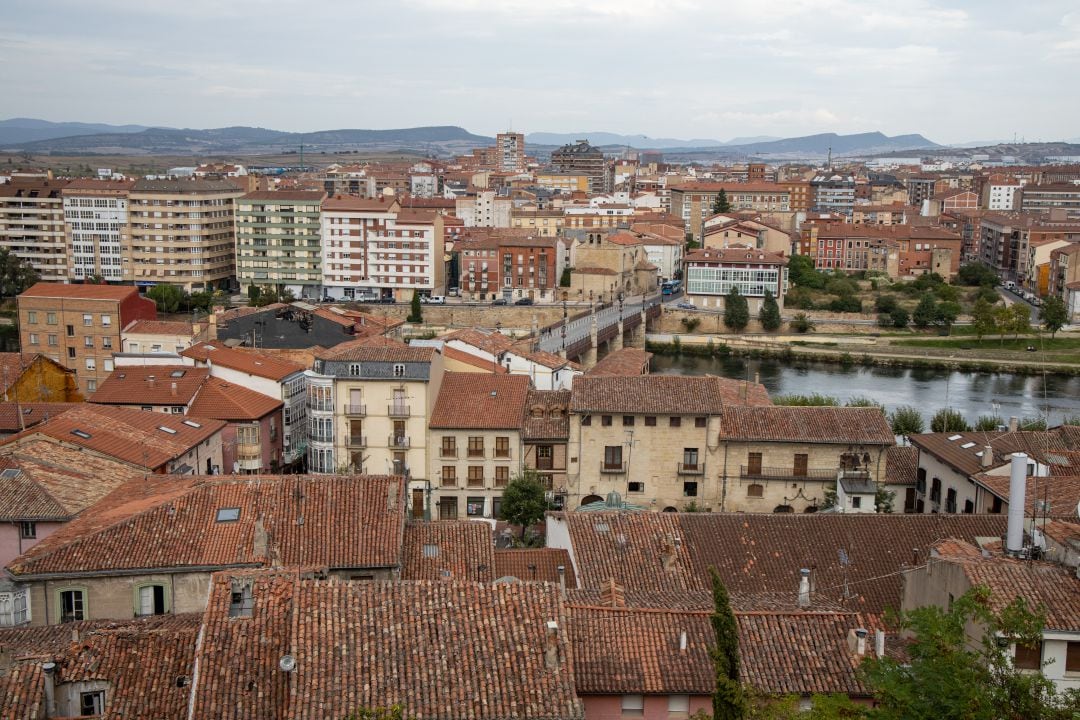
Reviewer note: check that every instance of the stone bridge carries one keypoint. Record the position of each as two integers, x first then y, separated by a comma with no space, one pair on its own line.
610,326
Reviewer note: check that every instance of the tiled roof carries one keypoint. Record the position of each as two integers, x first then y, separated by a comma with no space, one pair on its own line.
1061,491
223,400
23,499
448,650
132,436
1062,531
963,451
627,361
349,522
776,423
159,327
734,254
535,564
1054,588
901,464
16,416
759,555
547,415
452,353
251,362
84,292
377,349
489,341
352,203
480,401
283,196
12,366
458,550
663,394
22,691
150,385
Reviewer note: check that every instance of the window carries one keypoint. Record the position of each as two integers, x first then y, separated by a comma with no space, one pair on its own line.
52,340
31,317
678,705
72,605
586,419
106,320
1028,657
935,490
605,420
88,320
636,487
633,705
71,331
698,422
801,464
613,457
650,421
241,601
449,446
950,500
502,476
753,464
690,458
91,703
675,421
476,476
502,447
755,490
50,318
27,530
33,338
628,420
474,507
856,502
91,364
448,508
150,600
1072,657
91,385
449,476
71,353
229,514
109,364
88,341
399,370
689,489
476,446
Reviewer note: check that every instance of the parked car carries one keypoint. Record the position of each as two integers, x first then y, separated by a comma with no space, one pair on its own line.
498,301
433,299
685,306
388,300
524,301
454,292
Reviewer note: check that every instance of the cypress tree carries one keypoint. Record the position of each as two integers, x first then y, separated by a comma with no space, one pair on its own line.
770,313
729,700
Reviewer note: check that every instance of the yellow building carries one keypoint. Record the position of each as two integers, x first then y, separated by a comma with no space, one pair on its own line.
33,377
563,182
545,223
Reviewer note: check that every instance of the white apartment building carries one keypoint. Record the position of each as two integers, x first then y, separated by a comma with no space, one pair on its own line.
32,225
484,209
373,246
96,226
1001,194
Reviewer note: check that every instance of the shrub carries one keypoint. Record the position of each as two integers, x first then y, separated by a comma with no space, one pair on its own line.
885,303
948,420
906,420
846,303
801,323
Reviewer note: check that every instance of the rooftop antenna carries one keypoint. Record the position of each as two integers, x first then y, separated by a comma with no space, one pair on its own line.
830,159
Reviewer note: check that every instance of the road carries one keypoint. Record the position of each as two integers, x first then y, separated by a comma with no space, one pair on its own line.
552,339
1010,298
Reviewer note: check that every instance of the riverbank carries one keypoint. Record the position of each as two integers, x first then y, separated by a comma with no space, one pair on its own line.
861,351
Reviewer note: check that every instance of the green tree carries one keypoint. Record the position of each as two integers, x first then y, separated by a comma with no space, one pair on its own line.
899,317
945,314
736,310
254,292
1054,314
770,313
906,420
811,400
948,420
564,281
801,272
1003,319
951,674
846,303
1020,319
721,204
16,274
416,315
988,423
524,501
801,323
885,303
925,311
1033,423
976,273
168,297
729,700
982,318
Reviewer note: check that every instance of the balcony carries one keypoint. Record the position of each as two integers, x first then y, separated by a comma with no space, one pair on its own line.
358,441
787,473
475,452
398,442
398,411
611,468
475,482
691,469
502,454
356,410
249,456
448,452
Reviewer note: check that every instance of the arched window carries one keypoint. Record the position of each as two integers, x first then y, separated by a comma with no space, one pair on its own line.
783,509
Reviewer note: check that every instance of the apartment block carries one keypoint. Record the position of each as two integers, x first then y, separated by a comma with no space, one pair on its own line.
96,227
183,232
484,208
377,247
711,274
511,265
833,194
1051,196
1064,278
693,201
79,326
581,157
279,241
510,147
32,225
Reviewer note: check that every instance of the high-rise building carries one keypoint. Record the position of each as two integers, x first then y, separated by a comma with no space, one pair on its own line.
510,147
96,225
32,225
279,239
581,157
183,232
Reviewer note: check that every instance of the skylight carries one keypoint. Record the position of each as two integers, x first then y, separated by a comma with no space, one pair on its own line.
228,514
431,551
955,437
968,445
169,430
178,373
192,423
81,433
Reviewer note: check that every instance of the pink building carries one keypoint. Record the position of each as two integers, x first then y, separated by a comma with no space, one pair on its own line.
252,439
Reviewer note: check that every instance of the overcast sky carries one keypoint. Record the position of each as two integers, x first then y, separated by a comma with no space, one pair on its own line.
954,72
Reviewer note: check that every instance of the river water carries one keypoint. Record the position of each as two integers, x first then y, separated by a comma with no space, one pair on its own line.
972,393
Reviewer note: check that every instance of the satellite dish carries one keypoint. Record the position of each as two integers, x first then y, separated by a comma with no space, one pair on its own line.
287,663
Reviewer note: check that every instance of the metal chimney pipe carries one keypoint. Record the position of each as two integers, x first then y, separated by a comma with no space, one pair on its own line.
1014,539
879,643
804,588
562,580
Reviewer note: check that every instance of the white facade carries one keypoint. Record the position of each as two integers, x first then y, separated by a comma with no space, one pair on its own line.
423,185
1002,197
485,209
667,258
97,229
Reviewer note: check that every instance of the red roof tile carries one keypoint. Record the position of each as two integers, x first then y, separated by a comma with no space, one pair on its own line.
547,415
901,464
448,550
159,327
150,385
377,349
662,394
222,400
535,565
18,416
626,361
56,483
85,292
251,362
776,423
452,353
480,401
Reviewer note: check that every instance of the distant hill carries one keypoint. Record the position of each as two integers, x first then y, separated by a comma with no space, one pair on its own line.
21,130
252,141
640,142
857,144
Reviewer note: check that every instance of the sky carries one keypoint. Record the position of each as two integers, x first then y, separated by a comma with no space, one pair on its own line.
955,72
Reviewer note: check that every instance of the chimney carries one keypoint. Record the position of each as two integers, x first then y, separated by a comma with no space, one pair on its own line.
669,553
1014,424
551,646
611,595
857,642
1014,539
987,459
259,540
562,580
682,641
879,643
49,681
172,390
150,380
75,636
804,588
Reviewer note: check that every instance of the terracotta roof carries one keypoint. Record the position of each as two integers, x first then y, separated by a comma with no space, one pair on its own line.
1061,491
1062,531
223,400
85,292
128,435
162,647
352,203
626,361
950,447
12,366
248,361
901,465
535,564
159,327
452,353
734,254
490,341
56,483
339,634
777,423
283,196
16,416
547,415
377,349
90,186
662,394
150,385
759,555
459,550
167,522
1054,588
480,401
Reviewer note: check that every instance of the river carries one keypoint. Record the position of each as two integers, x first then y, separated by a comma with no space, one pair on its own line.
972,393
